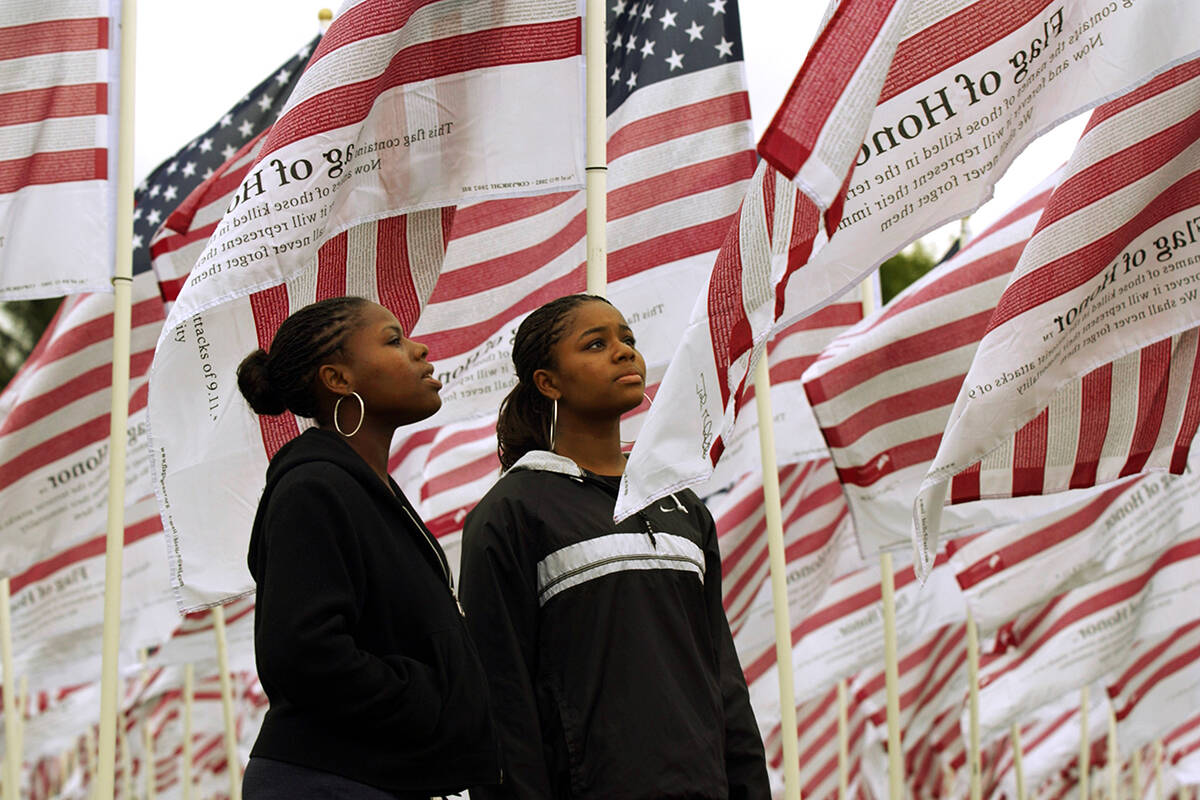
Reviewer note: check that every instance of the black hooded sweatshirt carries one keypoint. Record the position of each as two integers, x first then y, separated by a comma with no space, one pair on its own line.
613,672
360,644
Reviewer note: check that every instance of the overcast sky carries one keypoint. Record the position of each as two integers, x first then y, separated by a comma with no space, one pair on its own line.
195,60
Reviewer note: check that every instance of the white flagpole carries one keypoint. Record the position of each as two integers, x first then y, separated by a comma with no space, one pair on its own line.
871,297
122,294
1114,765
1085,750
596,54
843,741
773,510
1136,768
1158,770
12,766
887,585
126,765
147,731
189,692
1018,766
22,705
973,703
231,756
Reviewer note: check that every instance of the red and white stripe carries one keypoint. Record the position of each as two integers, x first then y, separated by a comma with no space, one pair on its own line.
57,130
1006,570
54,427
968,85
883,390
706,383
1081,635
1086,372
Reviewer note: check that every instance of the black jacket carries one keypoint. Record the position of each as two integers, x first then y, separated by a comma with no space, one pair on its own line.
359,642
613,673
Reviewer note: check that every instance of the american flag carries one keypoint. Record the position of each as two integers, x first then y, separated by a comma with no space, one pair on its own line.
58,101
1113,390
54,414
883,391
162,191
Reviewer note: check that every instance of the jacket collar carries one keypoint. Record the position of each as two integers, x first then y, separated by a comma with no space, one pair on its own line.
546,461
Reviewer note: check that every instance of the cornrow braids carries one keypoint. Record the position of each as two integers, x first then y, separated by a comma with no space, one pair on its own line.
524,421
285,378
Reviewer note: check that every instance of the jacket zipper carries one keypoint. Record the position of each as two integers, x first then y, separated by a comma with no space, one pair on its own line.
428,538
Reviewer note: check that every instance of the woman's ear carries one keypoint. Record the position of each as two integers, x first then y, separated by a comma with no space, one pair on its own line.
545,382
334,377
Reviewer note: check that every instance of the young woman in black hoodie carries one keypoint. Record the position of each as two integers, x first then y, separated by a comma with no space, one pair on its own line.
375,688
612,668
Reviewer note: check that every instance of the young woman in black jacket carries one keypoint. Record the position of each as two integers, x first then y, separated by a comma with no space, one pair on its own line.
375,688
613,673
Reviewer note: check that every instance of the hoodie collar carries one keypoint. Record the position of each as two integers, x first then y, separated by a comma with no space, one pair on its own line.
546,461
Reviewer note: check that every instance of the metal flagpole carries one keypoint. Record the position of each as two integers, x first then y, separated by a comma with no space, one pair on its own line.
1018,766
231,756
773,510
11,766
973,709
122,294
597,149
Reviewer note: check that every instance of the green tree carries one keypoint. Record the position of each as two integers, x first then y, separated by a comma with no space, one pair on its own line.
22,323
905,267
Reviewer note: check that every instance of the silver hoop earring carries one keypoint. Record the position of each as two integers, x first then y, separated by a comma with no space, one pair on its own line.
362,414
649,402
553,420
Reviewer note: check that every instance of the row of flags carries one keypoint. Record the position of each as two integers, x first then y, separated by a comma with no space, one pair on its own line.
921,107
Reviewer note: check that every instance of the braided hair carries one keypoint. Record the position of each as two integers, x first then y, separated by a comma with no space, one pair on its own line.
524,422
285,379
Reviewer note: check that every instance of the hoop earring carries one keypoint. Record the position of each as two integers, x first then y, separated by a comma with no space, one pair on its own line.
649,402
362,414
553,420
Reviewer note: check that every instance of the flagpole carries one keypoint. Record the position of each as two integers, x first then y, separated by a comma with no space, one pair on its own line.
843,741
597,149
1113,753
887,586
189,690
973,709
1018,765
773,510
118,419
1084,743
231,756
868,292
1136,767
11,766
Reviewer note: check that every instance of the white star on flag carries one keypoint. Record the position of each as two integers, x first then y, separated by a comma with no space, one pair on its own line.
725,47
668,19
675,60
718,7
137,241
632,80
206,145
694,32
283,76
619,8
172,167
189,169
245,129
170,193
616,75
226,120
618,42
227,151
264,102
154,217
154,190
648,48
646,11
631,45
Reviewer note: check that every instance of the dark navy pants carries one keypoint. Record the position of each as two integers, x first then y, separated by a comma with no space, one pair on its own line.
267,779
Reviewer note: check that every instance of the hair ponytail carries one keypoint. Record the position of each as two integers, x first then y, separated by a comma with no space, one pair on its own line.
525,414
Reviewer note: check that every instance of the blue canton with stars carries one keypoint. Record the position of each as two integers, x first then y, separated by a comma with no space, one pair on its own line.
652,40
174,179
